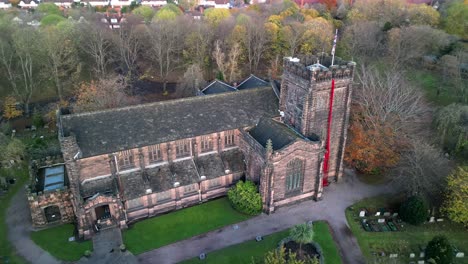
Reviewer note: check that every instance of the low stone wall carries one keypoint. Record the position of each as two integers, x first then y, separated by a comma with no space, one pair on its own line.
38,202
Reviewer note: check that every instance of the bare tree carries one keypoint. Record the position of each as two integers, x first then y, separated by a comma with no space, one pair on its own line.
21,61
102,94
165,43
364,39
233,63
219,57
63,62
198,44
255,43
96,42
129,43
192,81
293,32
422,171
387,98
407,44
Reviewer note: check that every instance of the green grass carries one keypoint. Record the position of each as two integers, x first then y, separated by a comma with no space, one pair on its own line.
166,229
430,82
7,251
55,241
401,242
324,238
245,252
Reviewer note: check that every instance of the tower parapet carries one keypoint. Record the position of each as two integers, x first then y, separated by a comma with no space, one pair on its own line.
318,68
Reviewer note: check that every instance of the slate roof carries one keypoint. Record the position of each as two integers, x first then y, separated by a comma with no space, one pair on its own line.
280,134
252,82
218,86
117,129
104,185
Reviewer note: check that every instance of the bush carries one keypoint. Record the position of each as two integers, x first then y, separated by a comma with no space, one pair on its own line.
439,250
37,120
414,210
245,198
87,253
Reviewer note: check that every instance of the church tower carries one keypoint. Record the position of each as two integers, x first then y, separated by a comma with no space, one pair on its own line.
306,90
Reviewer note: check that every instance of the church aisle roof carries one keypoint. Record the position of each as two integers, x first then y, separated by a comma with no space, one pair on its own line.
280,134
117,129
252,82
218,86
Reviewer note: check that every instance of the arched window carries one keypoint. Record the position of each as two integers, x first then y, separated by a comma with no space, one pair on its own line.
294,175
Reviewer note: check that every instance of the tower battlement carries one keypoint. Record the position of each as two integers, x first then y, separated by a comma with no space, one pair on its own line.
317,68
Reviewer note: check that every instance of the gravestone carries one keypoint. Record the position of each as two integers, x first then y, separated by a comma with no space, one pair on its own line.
395,214
202,256
421,262
422,254
259,238
377,214
386,214
71,239
235,227
460,255
393,255
362,213
432,219
440,219
381,220
412,255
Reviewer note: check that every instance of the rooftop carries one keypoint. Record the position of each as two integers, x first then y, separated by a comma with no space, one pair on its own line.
280,134
252,82
130,127
218,86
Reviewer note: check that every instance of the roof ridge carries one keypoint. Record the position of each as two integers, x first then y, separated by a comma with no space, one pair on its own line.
167,102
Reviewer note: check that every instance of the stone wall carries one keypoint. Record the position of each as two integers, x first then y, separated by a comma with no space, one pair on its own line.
40,201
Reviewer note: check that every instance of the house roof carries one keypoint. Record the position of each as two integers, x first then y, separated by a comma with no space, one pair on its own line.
280,134
251,82
130,127
218,86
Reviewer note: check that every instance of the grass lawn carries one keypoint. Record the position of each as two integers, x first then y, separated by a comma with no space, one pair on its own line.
245,252
401,242
431,82
55,241
7,252
169,228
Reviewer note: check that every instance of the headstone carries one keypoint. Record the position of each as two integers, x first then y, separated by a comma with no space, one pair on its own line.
393,255
412,255
382,254
377,214
460,255
432,219
33,128
381,220
259,238
387,214
362,213
235,227
310,223
440,219
395,214
202,256
422,254
71,239
421,262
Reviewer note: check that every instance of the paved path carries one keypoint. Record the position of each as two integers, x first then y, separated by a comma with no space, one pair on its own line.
337,198
18,220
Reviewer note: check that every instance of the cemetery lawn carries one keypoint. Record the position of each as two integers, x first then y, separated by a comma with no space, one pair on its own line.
245,252
55,241
7,251
179,225
401,242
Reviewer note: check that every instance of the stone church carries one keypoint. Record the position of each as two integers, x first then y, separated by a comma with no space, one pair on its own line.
125,164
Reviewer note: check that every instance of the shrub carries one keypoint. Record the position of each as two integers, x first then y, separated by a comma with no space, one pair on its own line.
87,253
245,198
414,210
439,250
37,120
